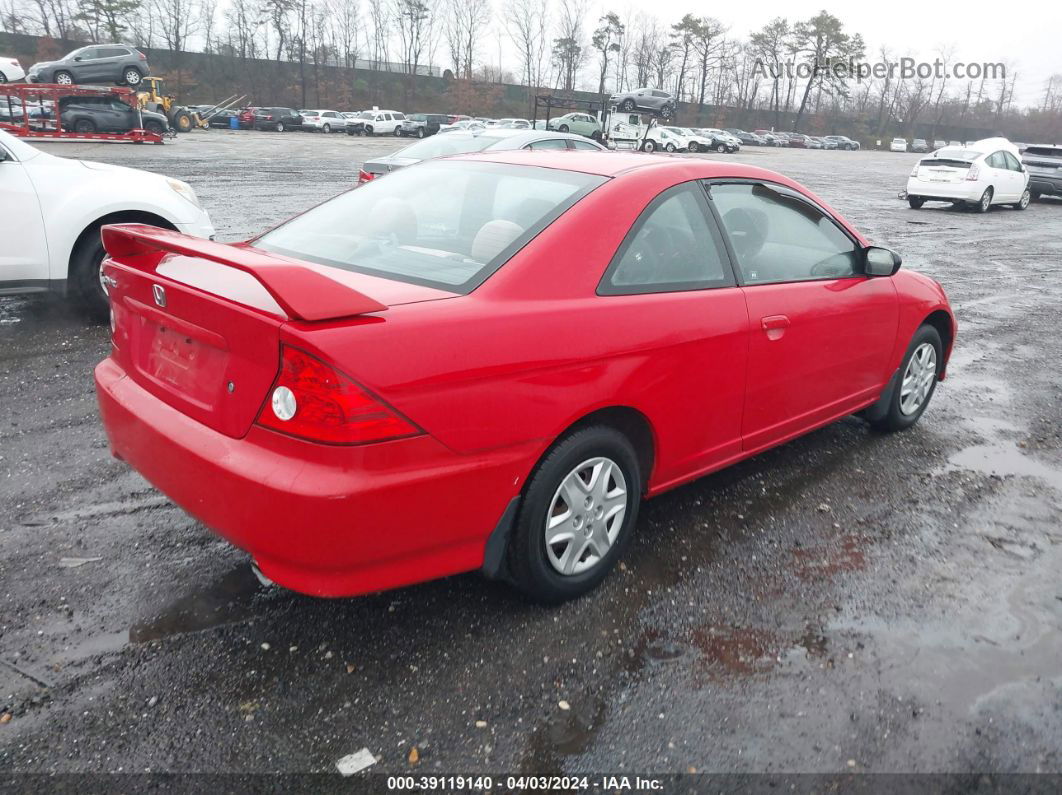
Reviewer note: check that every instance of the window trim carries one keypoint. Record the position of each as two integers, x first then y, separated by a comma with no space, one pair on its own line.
707,184
606,288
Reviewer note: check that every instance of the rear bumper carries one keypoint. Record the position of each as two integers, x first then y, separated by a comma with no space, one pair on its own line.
1045,185
944,191
324,520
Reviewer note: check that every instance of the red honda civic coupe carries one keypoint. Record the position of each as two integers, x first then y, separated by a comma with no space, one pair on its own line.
487,361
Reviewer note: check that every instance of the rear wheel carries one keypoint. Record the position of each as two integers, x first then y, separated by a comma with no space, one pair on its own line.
132,76
1023,202
916,202
280,126
563,128
917,381
627,106
577,515
720,148
85,126
985,202
182,122
156,127
669,147
420,132
326,128
693,146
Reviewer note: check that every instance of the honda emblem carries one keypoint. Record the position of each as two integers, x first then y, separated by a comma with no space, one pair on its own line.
160,294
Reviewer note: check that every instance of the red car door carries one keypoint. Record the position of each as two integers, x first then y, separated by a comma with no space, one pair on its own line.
820,332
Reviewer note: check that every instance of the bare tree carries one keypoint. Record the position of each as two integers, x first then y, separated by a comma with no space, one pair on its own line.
606,40
526,23
569,49
179,21
416,21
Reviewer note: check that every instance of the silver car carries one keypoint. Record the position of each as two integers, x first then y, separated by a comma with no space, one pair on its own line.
461,142
99,63
651,99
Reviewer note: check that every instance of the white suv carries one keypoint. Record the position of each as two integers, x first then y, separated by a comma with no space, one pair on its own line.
383,122
325,121
10,70
53,211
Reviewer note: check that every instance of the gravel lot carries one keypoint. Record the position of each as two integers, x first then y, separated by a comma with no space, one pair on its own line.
848,602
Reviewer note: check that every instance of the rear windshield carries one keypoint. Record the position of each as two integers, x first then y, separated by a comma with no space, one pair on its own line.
954,153
397,227
1043,151
416,117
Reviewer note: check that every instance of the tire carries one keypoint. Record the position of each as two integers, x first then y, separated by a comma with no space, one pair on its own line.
420,132
280,126
85,126
1023,202
132,77
563,128
596,542
896,417
596,136
985,203
669,148
369,130
85,277
627,106
720,148
648,146
153,126
693,147
63,78
326,128
398,132
916,202
3,78
667,111
182,122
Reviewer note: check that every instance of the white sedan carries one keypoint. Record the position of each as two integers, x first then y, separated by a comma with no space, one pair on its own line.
977,175
10,70
898,145
53,211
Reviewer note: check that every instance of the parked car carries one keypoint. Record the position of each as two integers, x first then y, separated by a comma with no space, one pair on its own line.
355,125
648,99
325,121
246,116
369,438
278,119
1044,164
421,125
223,119
579,123
382,122
465,141
771,138
695,140
107,115
660,139
919,145
515,124
463,124
939,143
746,138
827,143
54,208
843,142
724,141
10,70
12,109
796,140
898,145
978,175
97,63
811,142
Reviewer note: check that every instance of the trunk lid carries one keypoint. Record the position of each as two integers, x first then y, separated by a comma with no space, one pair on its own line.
197,323
943,170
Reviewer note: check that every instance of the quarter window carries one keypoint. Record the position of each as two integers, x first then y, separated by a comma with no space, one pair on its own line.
552,143
671,247
778,236
1012,161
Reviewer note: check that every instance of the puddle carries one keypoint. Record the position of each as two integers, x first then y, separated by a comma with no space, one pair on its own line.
1003,459
738,650
227,601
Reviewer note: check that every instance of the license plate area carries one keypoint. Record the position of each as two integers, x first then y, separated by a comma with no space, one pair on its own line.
188,368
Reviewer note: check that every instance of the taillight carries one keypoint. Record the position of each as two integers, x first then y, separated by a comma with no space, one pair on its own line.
142,56
914,171
314,401
974,173
269,118
364,176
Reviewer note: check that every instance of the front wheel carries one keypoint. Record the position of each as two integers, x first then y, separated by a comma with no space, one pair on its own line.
916,202
693,146
63,78
132,77
398,132
918,375
563,128
326,129
280,126
720,148
420,132
85,126
1023,202
577,515
182,122
155,127
648,146
85,275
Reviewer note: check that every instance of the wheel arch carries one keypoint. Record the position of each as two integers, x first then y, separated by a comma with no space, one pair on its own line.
119,217
629,421
942,322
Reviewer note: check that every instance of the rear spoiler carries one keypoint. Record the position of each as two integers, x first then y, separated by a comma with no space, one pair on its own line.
303,293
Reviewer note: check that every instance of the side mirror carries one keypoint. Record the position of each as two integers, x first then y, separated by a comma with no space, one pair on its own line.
878,261
77,57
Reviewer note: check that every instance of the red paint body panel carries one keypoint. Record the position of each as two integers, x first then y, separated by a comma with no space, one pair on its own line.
492,377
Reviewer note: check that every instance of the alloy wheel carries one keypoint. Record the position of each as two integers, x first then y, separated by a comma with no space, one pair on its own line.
918,378
64,79
585,515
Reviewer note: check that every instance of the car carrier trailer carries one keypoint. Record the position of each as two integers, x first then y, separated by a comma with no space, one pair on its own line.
38,113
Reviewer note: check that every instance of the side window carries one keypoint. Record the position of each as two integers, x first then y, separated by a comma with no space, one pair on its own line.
400,117
89,54
672,246
996,160
584,145
777,236
1012,161
552,143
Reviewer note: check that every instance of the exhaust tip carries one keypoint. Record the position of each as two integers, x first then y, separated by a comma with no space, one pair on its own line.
268,583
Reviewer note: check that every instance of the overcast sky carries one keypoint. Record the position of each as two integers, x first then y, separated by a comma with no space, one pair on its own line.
1027,41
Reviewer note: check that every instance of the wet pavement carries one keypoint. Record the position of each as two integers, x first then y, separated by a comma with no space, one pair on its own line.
848,602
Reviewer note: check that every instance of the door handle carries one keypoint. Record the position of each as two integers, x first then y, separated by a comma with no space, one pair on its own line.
774,326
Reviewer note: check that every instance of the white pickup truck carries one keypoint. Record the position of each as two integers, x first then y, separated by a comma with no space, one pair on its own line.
51,211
